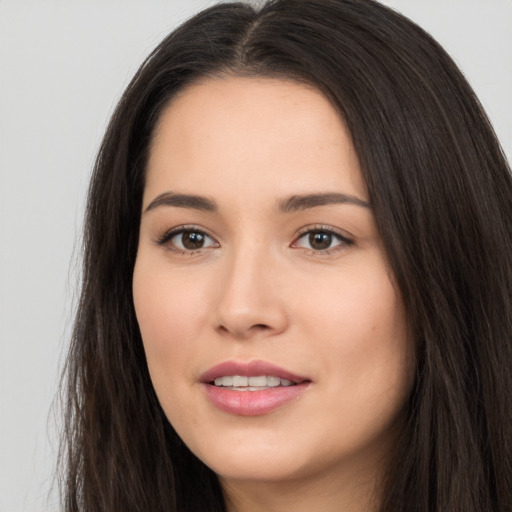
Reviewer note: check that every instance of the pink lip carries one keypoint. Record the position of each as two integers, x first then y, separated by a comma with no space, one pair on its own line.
250,369
252,403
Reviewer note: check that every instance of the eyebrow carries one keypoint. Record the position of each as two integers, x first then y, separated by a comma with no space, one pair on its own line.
182,201
291,204
303,202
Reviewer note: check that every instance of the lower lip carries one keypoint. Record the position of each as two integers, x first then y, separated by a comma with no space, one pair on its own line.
253,403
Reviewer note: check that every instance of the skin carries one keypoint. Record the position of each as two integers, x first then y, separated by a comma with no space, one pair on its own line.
258,289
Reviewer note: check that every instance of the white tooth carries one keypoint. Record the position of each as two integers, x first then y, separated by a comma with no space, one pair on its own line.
258,381
273,382
227,381
240,381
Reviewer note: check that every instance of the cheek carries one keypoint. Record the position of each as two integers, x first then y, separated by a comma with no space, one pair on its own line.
361,330
168,309
359,308
171,315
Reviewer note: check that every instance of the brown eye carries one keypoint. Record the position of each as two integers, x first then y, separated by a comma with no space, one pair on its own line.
187,240
320,240
192,240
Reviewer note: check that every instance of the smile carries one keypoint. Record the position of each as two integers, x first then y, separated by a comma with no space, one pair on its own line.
258,383
252,388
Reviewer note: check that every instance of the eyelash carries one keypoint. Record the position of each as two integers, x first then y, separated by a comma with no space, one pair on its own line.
343,241
181,230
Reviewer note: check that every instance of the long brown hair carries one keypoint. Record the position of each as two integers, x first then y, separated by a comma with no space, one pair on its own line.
441,191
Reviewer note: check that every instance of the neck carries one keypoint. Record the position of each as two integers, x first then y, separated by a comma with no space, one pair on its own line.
353,492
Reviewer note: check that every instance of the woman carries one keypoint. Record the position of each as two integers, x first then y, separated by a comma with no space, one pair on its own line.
297,277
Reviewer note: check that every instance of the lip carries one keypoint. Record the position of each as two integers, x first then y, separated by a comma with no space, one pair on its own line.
252,403
250,369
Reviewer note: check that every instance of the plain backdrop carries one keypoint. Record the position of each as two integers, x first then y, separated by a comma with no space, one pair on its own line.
63,66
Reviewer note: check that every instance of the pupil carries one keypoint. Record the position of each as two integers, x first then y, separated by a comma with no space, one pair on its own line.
192,240
320,240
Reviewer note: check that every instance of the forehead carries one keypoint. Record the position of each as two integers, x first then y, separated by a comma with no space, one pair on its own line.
261,132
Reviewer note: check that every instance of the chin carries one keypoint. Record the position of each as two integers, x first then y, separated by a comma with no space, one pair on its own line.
250,458
274,454
275,468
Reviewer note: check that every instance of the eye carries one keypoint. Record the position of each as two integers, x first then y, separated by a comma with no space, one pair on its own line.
322,240
187,240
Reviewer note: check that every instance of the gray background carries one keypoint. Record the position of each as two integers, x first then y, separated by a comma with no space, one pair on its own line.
63,65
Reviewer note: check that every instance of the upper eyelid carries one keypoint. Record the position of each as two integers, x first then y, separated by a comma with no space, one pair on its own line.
344,240
329,229
170,233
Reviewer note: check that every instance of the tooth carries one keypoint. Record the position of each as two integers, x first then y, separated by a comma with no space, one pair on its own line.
273,382
240,381
260,381
257,381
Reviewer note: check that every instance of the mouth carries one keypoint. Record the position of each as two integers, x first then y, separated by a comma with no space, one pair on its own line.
245,375
252,388
254,383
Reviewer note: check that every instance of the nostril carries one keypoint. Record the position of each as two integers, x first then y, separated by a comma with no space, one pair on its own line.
242,332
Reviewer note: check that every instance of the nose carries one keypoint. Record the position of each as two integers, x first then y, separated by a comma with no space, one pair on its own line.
251,302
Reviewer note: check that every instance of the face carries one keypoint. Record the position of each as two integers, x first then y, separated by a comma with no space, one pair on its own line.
274,335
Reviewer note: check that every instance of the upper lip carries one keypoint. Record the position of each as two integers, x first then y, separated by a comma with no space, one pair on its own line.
253,368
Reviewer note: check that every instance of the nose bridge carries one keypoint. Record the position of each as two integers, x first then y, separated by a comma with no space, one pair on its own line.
248,301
